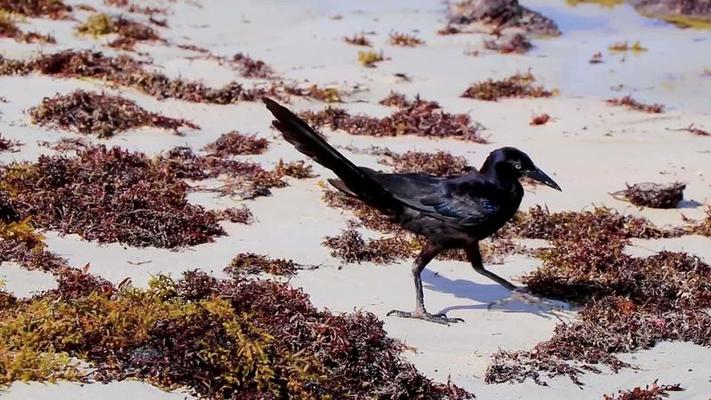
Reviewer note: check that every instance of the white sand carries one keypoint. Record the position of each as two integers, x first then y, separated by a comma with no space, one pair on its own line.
589,148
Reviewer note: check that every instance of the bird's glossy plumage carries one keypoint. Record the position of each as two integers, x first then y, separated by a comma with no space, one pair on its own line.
451,212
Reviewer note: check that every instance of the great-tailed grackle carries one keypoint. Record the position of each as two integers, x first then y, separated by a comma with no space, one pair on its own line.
451,212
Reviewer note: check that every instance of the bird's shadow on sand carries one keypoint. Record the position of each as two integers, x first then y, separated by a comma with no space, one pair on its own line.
486,295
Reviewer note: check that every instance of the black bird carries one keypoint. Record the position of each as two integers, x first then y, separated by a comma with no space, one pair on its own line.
451,212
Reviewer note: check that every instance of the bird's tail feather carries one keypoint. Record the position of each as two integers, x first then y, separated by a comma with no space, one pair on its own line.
309,142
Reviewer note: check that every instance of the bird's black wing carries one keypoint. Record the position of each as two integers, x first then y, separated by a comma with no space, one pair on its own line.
464,201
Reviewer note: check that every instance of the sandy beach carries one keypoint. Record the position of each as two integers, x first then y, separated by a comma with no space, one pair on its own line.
589,147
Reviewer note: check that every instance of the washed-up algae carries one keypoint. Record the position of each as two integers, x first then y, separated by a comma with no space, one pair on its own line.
628,303
653,195
221,339
515,86
125,71
101,114
418,117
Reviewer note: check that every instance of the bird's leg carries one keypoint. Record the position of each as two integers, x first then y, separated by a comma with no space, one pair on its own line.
519,293
429,252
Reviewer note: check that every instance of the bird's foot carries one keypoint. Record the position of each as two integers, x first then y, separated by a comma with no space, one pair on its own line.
425,316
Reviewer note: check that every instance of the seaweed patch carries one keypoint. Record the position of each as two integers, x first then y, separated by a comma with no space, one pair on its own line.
235,143
9,29
418,117
220,339
370,58
358,40
101,114
652,194
405,40
633,104
129,32
55,9
519,85
517,43
653,392
125,71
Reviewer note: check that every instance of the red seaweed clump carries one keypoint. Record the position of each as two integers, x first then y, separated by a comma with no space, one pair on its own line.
517,43
251,68
9,29
100,114
633,104
652,194
629,303
235,143
125,71
653,392
108,195
440,163
519,86
55,9
419,117
501,14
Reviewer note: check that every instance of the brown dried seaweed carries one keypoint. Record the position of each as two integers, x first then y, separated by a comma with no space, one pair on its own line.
694,130
540,120
101,114
405,40
224,339
55,9
9,29
252,264
501,14
652,194
516,43
629,302
235,215
419,117
653,392
625,46
519,85
109,195
358,40
125,71
251,68
440,163
235,143
9,145
295,169
633,104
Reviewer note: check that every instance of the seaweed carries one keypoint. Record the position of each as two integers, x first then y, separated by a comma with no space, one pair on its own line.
405,40
9,29
629,303
440,163
519,85
109,195
328,94
540,119
235,143
357,40
132,7
500,15
9,145
370,58
395,99
448,29
125,71
694,130
295,169
517,43
55,9
419,117
636,47
604,3
252,264
652,194
596,58
540,223
235,215
223,339
251,68
633,104
101,114
703,228
653,392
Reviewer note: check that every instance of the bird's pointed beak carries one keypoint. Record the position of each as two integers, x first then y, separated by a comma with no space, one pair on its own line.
541,176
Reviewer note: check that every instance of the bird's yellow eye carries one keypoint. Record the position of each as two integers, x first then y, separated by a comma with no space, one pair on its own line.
518,166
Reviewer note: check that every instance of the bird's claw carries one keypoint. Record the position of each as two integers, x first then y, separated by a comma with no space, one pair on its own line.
425,316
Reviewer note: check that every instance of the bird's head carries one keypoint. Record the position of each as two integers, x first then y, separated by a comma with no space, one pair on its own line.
514,163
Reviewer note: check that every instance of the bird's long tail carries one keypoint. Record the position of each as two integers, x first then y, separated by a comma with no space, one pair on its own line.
307,141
